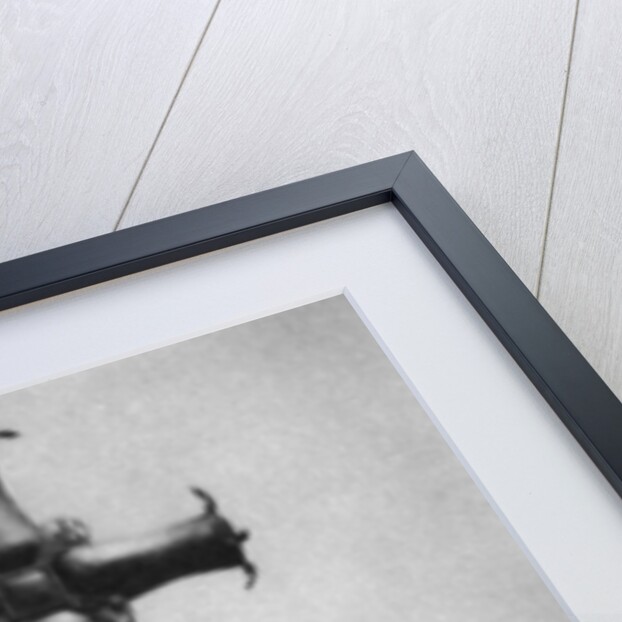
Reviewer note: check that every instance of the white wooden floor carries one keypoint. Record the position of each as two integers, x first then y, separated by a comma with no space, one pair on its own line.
112,114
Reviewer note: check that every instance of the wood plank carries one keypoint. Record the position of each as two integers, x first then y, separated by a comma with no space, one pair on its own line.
280,92
582,276
84,87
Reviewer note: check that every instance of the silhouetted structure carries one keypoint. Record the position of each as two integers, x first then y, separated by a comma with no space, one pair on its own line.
55,567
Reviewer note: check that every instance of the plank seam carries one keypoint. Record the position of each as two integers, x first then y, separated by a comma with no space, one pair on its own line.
166,116
547,217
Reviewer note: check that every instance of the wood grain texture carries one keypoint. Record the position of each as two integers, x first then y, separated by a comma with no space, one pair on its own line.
582,275
282,91
84,87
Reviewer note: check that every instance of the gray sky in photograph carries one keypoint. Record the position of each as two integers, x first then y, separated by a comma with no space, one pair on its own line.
304,432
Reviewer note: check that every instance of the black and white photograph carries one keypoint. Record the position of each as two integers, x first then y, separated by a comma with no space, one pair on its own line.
284,456
310,310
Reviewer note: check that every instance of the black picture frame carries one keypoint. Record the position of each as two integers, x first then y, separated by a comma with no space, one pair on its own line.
572,388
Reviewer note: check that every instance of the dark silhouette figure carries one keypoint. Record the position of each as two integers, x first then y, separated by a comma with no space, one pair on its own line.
56,567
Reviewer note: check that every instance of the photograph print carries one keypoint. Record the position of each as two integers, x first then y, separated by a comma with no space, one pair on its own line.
276,471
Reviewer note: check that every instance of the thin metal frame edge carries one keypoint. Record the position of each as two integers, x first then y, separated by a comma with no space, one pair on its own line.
120,253
572,388
562,375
